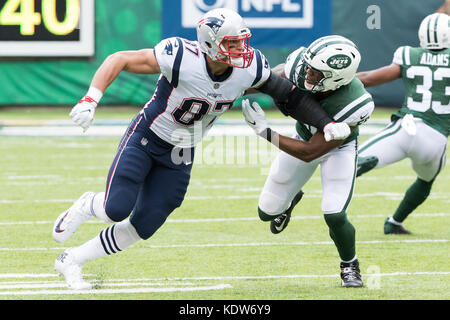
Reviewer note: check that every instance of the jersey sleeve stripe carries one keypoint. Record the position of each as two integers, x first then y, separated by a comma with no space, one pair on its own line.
259,66
406,56
176,64
366,103
351,105
363,105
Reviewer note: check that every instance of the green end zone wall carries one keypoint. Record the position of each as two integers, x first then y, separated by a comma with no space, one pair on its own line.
377,27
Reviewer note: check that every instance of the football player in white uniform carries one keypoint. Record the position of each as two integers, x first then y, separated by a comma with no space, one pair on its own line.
327,69
150,173
419,130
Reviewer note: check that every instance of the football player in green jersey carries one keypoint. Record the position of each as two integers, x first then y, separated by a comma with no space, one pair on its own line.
419,130
327,69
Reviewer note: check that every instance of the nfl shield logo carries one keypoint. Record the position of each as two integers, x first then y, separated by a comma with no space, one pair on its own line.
144,141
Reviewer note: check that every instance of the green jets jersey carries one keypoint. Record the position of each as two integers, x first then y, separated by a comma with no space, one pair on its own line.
351,103
426,75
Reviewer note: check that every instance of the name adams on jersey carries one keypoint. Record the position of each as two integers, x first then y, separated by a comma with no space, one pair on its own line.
350,103
189,97
426,75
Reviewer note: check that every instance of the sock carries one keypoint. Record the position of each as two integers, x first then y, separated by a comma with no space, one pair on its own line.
97,208
414,196
111,240
343,234
393,221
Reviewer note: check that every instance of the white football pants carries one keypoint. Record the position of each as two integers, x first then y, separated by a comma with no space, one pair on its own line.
288,175
426,148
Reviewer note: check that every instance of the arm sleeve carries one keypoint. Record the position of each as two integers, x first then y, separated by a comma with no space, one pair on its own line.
303,107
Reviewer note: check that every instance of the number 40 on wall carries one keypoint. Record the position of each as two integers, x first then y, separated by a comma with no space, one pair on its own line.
22,13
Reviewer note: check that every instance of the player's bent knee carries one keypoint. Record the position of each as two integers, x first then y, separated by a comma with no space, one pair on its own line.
116,213
336,220
264,216
366,164
270,206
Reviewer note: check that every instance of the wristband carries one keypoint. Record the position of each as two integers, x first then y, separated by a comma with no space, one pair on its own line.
93,95
268,134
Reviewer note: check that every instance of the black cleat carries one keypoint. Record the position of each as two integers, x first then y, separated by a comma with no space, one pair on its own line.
350,274
392,228
280,223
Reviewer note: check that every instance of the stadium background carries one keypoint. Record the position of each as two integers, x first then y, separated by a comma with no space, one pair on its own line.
136,24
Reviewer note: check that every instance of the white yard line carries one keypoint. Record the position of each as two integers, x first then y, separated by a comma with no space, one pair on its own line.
248,244
311,194
115,291
168,285
306,217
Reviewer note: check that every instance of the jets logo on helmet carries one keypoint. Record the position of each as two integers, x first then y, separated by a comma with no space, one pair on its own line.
327,64
223,36
339,61
434,31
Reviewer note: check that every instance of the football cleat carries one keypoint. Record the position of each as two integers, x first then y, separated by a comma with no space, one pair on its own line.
280,223
66,265
350,274
392,228
68,221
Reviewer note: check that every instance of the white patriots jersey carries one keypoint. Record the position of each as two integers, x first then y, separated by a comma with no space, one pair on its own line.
188,98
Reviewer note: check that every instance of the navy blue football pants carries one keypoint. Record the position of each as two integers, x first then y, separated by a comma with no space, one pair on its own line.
143,179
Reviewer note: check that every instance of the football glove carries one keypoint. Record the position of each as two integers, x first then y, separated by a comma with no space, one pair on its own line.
254,116
83,113
336,131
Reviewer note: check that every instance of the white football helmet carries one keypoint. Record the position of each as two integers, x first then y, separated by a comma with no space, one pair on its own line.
216,29
333,60
434,31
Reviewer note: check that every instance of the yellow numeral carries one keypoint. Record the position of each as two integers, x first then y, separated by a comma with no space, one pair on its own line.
26,18
70,21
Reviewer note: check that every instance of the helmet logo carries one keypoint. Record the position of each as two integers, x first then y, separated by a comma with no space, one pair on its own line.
214,23
339,61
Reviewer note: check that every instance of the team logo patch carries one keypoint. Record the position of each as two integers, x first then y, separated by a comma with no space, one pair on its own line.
339,61
214,23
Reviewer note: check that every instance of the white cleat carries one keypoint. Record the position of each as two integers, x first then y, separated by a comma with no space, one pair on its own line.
71,271
69,221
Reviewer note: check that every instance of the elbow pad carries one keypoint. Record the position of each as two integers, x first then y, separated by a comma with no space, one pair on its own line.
304,108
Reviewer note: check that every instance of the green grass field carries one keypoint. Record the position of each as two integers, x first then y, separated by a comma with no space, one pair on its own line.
213,247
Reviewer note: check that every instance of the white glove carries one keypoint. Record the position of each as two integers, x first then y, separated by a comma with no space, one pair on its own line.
83,112
254,116
336,131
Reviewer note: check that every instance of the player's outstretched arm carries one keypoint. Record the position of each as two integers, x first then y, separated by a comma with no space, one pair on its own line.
380,76
138,61
445,8
133,61
306,151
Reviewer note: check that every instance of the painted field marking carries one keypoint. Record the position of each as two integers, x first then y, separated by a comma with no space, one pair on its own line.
249,244
171,287
203,220
115,291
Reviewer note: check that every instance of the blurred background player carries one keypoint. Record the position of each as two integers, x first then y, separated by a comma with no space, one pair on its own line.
445,8
419,130
150,173
327,69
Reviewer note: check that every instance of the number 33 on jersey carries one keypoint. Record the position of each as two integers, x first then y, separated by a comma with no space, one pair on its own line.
426,75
